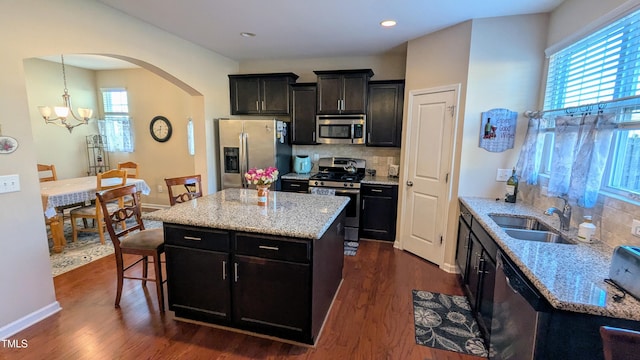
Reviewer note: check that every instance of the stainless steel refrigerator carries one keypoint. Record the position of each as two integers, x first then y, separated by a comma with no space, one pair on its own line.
246,144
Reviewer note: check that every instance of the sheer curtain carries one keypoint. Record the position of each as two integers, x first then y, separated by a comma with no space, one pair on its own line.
117,129
530,155
579,155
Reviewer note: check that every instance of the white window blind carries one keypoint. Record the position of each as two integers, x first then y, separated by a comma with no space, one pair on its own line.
116,125
603,66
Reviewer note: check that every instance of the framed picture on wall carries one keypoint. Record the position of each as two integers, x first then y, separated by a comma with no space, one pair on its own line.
498,129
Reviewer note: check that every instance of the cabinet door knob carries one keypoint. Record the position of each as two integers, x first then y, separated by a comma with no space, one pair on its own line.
409,183
224,270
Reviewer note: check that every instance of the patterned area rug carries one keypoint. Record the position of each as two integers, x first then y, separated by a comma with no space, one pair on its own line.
350,247
445,322
87,249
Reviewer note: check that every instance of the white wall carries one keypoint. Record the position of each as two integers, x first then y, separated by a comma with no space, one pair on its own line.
34,28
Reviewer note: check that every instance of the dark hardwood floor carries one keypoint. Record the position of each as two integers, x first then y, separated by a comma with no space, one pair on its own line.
371,318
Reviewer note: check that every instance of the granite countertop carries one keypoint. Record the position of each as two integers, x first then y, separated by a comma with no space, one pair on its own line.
296,176
286,214
570,276
380,180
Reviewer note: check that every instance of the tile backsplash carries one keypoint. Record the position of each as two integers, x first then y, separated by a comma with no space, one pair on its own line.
612,217
377,158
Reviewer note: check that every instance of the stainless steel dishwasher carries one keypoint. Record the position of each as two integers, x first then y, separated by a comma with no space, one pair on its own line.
518,316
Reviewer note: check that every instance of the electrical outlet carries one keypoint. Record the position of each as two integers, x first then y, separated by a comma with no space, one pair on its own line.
635,228
503,174
9,183
159,188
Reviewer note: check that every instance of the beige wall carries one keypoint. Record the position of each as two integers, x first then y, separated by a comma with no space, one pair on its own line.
436,60
390,66
150,96
27,31
497,68
54,144
505,70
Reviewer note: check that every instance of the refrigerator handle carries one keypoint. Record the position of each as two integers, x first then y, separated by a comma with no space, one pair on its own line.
241,163
245,159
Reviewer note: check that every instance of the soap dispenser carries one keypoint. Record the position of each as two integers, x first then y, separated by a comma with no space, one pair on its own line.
586,230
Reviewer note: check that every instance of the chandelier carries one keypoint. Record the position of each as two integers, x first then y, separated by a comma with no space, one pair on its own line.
62,112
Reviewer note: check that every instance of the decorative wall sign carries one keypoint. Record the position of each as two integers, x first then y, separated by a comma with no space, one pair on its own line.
8,144
498,129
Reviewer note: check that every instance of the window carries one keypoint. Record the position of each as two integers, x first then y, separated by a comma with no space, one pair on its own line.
605,66
116,125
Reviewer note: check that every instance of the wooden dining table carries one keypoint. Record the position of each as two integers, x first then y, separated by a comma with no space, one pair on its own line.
60,194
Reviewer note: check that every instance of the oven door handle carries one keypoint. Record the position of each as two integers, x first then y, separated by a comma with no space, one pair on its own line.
347,191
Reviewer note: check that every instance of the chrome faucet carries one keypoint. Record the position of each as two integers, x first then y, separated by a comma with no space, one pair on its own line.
565,214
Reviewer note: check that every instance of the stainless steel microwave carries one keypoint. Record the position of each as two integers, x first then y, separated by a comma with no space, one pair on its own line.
340,129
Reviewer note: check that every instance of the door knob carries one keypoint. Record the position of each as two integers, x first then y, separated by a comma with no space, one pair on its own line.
409,183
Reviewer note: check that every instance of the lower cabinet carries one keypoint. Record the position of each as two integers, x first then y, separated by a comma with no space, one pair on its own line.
478,277
198,281
271,293
292,185
378,208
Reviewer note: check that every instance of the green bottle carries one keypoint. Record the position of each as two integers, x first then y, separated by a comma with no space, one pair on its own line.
512,187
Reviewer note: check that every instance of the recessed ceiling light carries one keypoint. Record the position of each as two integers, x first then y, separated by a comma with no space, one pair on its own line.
388,23
247,34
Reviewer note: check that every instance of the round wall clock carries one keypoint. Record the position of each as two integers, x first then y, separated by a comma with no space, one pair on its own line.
160,128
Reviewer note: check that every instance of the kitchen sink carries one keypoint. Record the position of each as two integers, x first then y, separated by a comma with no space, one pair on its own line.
519,222
537,235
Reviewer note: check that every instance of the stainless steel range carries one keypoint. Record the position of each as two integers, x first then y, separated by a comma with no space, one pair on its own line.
341,176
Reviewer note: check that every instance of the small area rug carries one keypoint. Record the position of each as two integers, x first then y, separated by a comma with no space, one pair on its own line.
350,247
87,249
445,322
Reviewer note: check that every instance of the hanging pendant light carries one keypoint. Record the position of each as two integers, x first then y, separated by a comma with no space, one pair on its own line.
62,112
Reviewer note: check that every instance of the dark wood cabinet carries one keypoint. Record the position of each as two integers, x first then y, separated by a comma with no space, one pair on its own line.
462,250
384,113
261,94
342,91
197,263
271,285
271,293
378,211
477,262
303,114
292,185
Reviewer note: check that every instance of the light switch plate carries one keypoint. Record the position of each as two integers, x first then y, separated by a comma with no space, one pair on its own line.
503,174
9,183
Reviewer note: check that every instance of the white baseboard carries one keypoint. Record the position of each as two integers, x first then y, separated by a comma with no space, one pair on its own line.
450,268
28,320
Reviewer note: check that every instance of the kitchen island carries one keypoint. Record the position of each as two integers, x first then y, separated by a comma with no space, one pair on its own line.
272,270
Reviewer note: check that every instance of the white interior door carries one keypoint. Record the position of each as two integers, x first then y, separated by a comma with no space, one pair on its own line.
425,191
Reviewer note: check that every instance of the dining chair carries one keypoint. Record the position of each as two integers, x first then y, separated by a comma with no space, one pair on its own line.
620,344
106,180
132,239
131,168
192,185
132,173
57,232
51,172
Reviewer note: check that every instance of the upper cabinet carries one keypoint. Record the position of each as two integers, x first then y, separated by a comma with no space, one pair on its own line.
384,113
261,94
303,114
343,91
